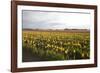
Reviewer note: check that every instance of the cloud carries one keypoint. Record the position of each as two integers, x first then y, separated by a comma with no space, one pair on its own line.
55,20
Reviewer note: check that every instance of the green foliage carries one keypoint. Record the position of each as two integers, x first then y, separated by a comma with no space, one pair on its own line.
57,45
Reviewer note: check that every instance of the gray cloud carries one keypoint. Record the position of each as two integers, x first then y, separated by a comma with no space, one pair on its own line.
54,20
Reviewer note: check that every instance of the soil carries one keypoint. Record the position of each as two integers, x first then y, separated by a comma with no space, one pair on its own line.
28,57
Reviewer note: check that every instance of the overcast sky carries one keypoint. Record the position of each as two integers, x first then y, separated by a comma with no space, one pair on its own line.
55,20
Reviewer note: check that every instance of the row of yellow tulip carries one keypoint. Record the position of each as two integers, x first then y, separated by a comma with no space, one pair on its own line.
57,45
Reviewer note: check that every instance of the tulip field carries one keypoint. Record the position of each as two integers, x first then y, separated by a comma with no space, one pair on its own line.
51,46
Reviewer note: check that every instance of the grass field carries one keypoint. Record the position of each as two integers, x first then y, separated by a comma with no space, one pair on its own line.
52,46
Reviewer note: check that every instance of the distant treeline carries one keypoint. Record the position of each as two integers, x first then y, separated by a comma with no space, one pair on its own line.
58,30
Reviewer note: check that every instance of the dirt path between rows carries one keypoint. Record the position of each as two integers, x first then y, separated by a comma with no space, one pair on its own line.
28,57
